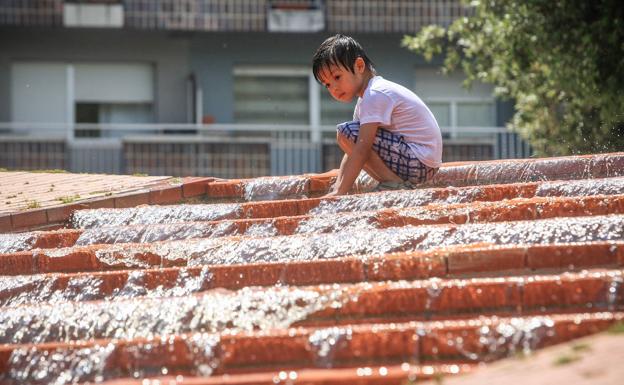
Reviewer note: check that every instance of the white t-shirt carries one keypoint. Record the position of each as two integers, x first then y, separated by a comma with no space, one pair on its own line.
399,110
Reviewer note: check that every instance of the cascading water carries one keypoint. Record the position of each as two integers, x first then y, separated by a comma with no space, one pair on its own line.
166,313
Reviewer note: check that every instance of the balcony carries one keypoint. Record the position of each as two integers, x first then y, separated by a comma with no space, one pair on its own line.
219,150
397,16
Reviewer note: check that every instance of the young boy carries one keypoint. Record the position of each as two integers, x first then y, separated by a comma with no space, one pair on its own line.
394,136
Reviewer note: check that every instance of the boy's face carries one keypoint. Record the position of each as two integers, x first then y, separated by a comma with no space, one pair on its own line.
342,84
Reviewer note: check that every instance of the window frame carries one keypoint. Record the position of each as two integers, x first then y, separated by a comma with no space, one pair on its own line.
453,101
290,71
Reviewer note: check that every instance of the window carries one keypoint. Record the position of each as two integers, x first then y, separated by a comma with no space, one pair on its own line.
271,95
457,110
55,92
113,93
285,95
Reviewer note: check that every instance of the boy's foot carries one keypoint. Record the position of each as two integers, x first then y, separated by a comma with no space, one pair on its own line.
388,186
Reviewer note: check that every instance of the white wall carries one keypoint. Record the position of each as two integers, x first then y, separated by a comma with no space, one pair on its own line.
38,92
168,55
114,82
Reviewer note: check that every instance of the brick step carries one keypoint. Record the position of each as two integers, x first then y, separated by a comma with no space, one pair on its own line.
444,263
370,375
357,203
482,339
352,242
450,174
316,305
95,218
526,170
459,213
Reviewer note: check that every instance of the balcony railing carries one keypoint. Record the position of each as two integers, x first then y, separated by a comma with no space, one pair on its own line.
31,13
220,150
390,16
401,16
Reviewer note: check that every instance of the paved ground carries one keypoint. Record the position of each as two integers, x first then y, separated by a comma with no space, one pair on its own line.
28,190
589,361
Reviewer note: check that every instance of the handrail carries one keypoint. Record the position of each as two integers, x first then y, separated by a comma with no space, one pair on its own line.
25,127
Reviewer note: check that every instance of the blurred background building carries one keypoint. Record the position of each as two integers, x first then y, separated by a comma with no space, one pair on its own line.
212,87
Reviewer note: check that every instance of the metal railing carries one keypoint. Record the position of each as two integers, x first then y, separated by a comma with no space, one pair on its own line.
220,150
201,15
392,15
405,16
43,13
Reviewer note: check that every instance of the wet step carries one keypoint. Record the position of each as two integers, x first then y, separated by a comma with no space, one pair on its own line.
145,215
278,307
492,261
368,375
473,340
528,170
453,174
367,288
309,247
474,212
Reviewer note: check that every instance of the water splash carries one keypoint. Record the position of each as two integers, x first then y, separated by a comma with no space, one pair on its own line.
362,240
203,351
20,290
434,289
369,202
185,284
450,195
97,219
262,229
573,188
59,366
97,363
613,291
12,243
154,215
214,311
498,338
336,223
521,335
325,342
23,290
156,233
272,188
17,290
364,183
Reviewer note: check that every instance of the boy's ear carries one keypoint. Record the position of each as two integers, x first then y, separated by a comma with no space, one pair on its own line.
360,65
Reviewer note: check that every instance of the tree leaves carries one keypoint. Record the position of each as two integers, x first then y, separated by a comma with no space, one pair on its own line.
561,61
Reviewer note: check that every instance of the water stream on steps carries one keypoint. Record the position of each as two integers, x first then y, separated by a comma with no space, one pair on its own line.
362,240
159,223
139,321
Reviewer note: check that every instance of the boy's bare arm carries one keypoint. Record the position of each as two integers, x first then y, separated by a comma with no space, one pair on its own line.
357,159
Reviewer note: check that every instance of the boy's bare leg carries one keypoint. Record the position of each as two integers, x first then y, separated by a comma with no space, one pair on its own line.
329,174
375,166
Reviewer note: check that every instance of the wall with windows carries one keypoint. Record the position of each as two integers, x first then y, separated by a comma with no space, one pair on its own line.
277,67
120,76
265,78
456,108
245,78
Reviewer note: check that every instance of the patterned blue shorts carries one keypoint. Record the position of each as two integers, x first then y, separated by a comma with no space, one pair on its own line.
394,152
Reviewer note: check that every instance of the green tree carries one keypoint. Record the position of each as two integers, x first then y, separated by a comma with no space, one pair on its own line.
560,61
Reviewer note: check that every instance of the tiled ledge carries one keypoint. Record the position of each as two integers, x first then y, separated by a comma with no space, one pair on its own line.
163,191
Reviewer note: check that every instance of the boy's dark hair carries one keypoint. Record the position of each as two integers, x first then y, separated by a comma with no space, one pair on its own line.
338,50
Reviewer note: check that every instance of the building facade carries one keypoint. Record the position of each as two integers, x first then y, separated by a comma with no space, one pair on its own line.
139,75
